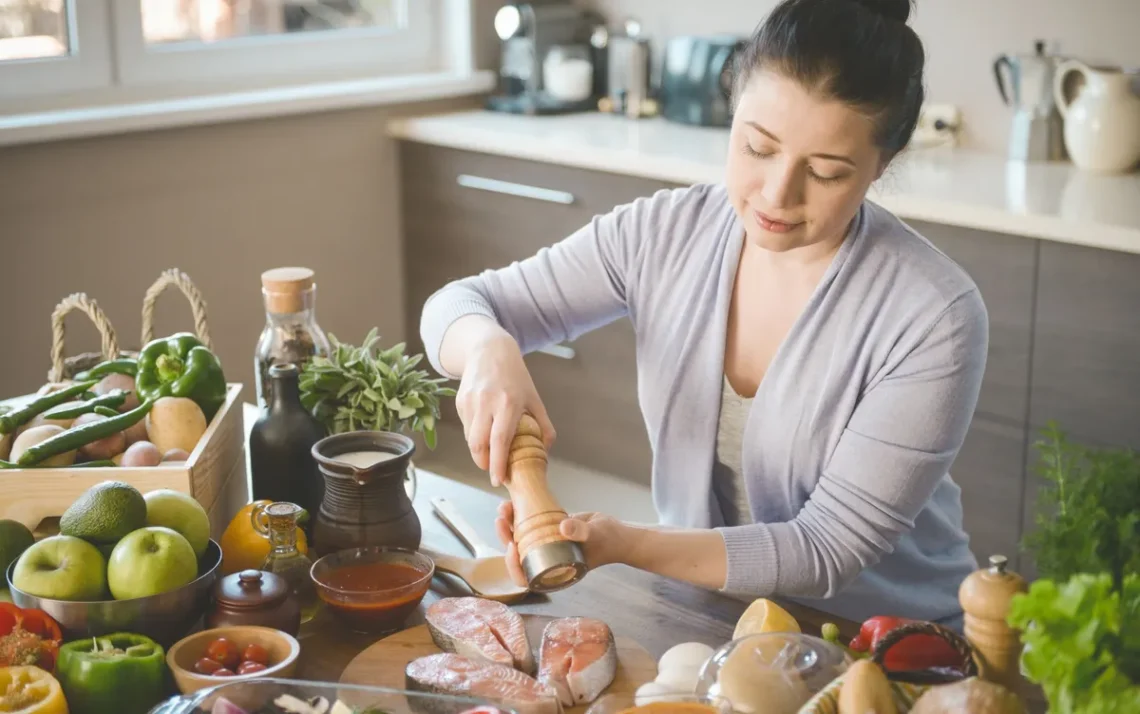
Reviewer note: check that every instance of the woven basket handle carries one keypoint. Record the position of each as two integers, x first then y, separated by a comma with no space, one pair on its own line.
182,281
960,644
86,305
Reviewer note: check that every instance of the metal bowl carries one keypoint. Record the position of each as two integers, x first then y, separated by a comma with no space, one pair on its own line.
165,618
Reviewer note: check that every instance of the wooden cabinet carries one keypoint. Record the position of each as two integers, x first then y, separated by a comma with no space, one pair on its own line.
465,212
1086,352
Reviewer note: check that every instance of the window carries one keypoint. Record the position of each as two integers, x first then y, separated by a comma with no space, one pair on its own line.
49,47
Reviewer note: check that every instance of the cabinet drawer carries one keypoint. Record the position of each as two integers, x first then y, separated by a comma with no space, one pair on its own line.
466,212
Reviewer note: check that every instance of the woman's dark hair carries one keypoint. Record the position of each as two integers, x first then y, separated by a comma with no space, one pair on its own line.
860,52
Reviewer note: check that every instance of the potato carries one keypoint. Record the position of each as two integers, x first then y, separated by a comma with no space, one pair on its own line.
35,435
119,381
136,432
176,455
141,454
40,420
104,448
175,423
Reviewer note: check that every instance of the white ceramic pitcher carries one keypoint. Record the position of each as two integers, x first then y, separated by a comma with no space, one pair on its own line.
1102,124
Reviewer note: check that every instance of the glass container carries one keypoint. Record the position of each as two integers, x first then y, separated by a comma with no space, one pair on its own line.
266,696
278,522
291,332
776,673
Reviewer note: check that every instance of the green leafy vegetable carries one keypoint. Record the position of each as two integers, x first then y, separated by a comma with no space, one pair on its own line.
362,388
1088,518
1082,642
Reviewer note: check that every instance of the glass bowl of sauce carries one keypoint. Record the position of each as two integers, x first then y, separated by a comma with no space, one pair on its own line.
373,589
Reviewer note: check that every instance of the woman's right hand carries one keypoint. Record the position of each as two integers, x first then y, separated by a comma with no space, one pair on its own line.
494,391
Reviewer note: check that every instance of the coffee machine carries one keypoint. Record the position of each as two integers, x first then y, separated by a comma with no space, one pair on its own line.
1026,84
549,64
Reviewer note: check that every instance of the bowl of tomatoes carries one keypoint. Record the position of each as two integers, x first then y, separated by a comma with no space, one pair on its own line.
226,654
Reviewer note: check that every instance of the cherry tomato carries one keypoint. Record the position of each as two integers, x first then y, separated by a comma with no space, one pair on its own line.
255,653
223,651
206,665
42,624
223,672
250,667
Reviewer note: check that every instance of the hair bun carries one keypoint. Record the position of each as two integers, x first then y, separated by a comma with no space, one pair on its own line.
894,9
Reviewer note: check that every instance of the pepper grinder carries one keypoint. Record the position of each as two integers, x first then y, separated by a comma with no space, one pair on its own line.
549,561
985,596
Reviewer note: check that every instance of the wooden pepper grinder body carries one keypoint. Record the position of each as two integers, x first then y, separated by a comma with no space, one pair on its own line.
985,596
549,560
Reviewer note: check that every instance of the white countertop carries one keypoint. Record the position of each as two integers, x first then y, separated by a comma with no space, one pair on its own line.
1053,201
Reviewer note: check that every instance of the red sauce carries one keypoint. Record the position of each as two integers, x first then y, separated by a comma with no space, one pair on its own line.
380,610
372,577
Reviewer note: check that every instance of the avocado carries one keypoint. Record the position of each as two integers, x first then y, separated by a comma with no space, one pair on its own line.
105,513
15,538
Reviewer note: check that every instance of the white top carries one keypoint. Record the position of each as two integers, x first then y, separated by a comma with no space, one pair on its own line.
728,470
1052,201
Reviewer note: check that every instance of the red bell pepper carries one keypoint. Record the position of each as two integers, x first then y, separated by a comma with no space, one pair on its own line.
913,652
28,637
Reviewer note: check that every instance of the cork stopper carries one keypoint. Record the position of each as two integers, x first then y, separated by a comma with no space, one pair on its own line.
285,289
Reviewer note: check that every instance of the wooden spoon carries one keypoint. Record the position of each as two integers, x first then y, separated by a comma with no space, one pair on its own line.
485,577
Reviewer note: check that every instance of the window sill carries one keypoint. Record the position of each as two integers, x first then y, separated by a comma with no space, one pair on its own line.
216,108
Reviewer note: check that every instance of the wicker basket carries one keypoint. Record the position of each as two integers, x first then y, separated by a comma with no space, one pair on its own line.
30,500
64,369
907,685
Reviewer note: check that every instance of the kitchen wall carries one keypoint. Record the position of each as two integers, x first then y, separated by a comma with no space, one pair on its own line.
962,38
224,202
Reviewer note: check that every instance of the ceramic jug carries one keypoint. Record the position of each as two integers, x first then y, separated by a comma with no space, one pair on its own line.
1102,122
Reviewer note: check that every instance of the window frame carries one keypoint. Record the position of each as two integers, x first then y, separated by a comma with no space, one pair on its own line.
412,46
89,63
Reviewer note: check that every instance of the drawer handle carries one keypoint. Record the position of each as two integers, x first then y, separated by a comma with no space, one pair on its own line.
559,351
515,189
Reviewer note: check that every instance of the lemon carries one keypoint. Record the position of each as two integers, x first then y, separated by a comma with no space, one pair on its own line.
764,616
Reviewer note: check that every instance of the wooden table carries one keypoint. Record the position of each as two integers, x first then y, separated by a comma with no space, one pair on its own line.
656,612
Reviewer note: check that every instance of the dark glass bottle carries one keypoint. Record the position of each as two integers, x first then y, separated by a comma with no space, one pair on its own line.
280,446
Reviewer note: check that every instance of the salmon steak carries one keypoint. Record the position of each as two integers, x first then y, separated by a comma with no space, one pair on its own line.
481,630
458,676
578,659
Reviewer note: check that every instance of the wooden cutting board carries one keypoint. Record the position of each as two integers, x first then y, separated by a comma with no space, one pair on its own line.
382,664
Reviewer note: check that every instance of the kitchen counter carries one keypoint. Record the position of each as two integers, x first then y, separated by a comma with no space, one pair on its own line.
1053,201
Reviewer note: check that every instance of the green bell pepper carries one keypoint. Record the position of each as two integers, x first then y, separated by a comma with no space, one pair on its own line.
113,674
181,366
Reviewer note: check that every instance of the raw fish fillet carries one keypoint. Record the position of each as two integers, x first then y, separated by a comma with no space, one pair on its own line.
578,659
455,675
482,630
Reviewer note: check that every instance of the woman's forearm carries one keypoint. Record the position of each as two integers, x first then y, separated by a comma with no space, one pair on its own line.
694,556
464,336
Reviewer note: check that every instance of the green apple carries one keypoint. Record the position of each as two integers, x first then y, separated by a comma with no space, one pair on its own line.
150,561
61,568
179,511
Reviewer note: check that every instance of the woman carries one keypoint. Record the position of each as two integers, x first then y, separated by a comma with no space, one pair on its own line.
808,364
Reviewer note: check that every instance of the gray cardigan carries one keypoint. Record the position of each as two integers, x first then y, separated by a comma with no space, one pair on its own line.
850,439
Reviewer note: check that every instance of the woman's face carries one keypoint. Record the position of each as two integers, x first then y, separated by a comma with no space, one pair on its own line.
798,166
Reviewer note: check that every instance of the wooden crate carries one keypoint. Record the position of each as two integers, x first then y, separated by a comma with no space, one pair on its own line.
31,495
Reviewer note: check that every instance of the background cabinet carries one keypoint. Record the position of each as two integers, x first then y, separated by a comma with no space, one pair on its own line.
1064,328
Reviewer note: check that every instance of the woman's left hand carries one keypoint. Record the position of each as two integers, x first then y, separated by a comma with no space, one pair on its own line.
604,539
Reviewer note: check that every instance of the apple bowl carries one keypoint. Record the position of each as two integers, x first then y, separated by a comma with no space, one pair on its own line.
165,617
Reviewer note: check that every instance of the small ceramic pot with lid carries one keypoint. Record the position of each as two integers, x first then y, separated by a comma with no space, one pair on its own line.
254,597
